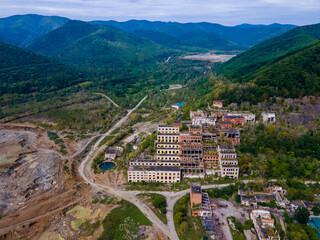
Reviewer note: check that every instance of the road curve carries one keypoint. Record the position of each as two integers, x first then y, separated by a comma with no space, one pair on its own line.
172,197
85,172
110,100
84,168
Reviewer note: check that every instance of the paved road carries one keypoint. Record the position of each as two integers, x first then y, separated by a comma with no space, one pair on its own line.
103,95
86,173
172,197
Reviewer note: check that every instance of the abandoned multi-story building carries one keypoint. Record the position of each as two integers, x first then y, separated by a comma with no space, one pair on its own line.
192,152
268,117
162,174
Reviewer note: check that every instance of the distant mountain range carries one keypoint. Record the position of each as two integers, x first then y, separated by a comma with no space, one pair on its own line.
98,46
22,30
204,34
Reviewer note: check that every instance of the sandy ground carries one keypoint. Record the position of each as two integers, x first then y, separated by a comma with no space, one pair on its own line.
210,57
33,185
140,128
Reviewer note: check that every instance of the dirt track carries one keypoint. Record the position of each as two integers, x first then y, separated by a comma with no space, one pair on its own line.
33,185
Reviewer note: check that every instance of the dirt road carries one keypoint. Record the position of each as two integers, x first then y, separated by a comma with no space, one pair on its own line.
86,173
85,166
110,100
172,197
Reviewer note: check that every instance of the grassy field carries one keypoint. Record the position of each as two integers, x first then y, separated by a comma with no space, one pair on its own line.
157,203
123,222
236,234
183,185
187,226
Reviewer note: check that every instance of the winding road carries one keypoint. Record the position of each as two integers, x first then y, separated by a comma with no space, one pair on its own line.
172,197
110,100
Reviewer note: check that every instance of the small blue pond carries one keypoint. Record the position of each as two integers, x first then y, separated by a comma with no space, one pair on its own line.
106,165
315,223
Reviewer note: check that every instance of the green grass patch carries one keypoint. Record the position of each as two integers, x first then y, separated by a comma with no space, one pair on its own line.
157,203
187,226
123,222
53,136
105,140
104,199
226,192
236,229
97,161
89,228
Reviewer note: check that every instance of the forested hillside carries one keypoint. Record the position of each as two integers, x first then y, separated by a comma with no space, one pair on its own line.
99,46
25,76
159,37
293,76
285,66
241,67
21,30
205,35
197,38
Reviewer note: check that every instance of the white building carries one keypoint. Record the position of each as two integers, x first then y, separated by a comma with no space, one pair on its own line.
166,129
163,174
268,117
203,120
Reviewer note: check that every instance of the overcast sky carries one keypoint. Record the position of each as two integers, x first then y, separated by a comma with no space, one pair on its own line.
227,12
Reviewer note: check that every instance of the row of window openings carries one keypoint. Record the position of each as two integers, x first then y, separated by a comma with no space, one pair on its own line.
155,164
157,178
154,173
229,156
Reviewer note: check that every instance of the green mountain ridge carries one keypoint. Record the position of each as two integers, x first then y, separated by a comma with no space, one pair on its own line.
98,46
26,77
294,75
285,66
242,67
19,66
207,40
21,30
243,36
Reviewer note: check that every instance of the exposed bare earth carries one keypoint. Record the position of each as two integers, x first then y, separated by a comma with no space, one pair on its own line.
32,182
44,203
210,57
28,169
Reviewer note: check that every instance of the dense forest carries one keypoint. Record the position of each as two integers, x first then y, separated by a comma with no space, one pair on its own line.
28,77
98,46
202,35
31,82
284,153
285,66
241,67
21,30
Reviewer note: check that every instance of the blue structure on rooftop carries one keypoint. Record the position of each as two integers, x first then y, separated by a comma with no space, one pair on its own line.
178,105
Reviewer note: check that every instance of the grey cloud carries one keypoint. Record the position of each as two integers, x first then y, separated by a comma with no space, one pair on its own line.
228,12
